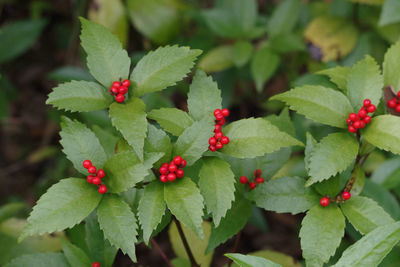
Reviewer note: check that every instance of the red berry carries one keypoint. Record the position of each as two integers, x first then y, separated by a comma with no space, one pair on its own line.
243,180
183,164
120,98
259,180
96,180
221,122
352,129
163,178
371,109
96,264
348,121
212,141
367,119
356,124
101,173
165,165
163,170
89,179
102,190
252,185
86,164
219,117
225,140
123,90
180,173
218,128
219,145
116,84
367,102
115,90
398,108
126,83
171,177
218,135
398,93
353,116
172,167
362,124
392,103
257,173
178,160
324,201
92,169
225,112
362,113
346,195
212,148
217,111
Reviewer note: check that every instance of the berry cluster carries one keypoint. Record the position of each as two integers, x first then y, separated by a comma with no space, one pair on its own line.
96,264
119,89
395,102
171,171
95,179
219,140
257,179
325,200
358,121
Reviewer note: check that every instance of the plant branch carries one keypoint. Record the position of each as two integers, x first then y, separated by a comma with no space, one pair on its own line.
235,246
193,262
157,247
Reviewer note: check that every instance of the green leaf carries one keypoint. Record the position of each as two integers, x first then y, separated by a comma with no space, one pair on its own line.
106,59
364,81
365,214
387,174
217,59
158,141
203,97
359,176
107,139
391,67
173,120
278,257
235,219
130,120
186,203
162,68
384,133
242,51
9,210
310,145
80,143
286,43
284,17
124,170
250,261
390,13
286,194
151,208
321,231
193,142
65,204
337,75
252,137
263,66
39,260
332,155
79,96
311,101
75,255
217,185
69,73
17,37
118,223
372,248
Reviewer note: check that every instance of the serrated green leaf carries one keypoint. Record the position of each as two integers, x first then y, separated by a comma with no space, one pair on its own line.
130,120
284,17
390,13
364,81
107,139
151,208
173,120
310,145
203,97
391,67
217,59
118,223
372,248
263,65
158,141
250,261
387,174
278,257
79,96
332,155
337,75
359,176
162,68
318,103
80,143
193,142
252,137
62,206
384,133
39,260
242,51
283,122
286,43
184,200
9,210
286,194
365,214
75,256
106,59
321,231
235,219
217,185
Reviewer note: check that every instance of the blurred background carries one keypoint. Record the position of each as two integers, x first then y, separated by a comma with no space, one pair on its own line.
253,49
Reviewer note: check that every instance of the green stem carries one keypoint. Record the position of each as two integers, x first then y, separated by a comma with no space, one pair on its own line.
193,262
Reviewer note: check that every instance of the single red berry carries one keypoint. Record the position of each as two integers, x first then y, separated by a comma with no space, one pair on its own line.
172,168
212,141
392,103
217,128
123,90
259,180
257,173
89,179
115,90
96,180
165,165
212,148
101,173
352,129
219,145
324,201
367,102
362,113
221,122
371,109
163,170
86,164
367,119
398,93
362,124
102,190
171,177
356,124
163,178
218,135
92,169
397,108
96,264
217,111
225,112
252,185
225,140
110,91
353,116
219,117
346,195
120,98
116,84
126,83
183,164
348,121
243,180
180,173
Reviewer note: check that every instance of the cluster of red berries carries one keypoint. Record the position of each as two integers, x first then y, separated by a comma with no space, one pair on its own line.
171,171
119,89
257,179
395,102
219,140
325,201
358,121
95,179
96,264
